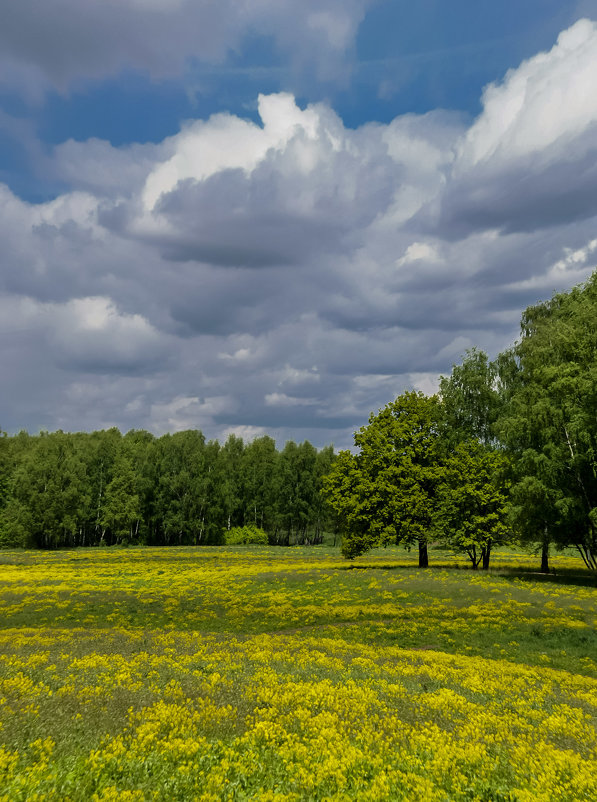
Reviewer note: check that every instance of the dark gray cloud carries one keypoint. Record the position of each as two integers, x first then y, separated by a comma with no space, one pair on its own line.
227,302
234,219
56,45
529,194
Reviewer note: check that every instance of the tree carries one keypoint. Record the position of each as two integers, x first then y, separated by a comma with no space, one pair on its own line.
298,491
140,448
49,494
320,509
548,422
7,537
386,492
470,400
180,491
100,449
260,459
82,489
121,510
230,475
472,502
5,468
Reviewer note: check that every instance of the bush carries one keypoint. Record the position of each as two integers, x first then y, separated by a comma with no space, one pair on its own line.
245,535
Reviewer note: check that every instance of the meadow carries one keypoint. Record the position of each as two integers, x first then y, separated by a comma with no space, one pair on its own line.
244,673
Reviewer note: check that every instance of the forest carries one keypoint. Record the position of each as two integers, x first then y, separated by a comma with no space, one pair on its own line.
104,488
506,452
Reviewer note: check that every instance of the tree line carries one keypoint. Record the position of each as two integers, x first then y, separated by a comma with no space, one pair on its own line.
506,452
86,489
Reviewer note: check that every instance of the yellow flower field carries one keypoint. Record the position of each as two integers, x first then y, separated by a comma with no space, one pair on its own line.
289,674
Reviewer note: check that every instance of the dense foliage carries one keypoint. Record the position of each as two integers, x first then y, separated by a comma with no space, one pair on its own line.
84,489
384,492
249,535
548,422
415,480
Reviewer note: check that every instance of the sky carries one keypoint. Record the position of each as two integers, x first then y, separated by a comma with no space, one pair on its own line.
273,216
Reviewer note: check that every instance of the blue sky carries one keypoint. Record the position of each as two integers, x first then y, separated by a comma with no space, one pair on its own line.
273,215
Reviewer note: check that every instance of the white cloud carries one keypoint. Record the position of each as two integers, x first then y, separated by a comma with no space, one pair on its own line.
203,149
188,412
575,258
298,376
241,355
549,99
89,334
419,252
283,400
240,195
528,161
427,383
571,269
246,433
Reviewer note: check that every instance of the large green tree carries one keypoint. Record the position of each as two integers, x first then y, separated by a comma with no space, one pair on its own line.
471,400
472,501
548,422
385,493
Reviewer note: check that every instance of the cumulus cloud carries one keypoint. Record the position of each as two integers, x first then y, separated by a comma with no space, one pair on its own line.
92,335
58,44
529,160
238,194
183,412
291,275
548,100
226,142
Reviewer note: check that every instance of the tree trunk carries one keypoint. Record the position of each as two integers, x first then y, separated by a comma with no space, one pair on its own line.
423,556
486,556
545,556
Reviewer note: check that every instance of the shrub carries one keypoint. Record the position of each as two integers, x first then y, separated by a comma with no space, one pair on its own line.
245,535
